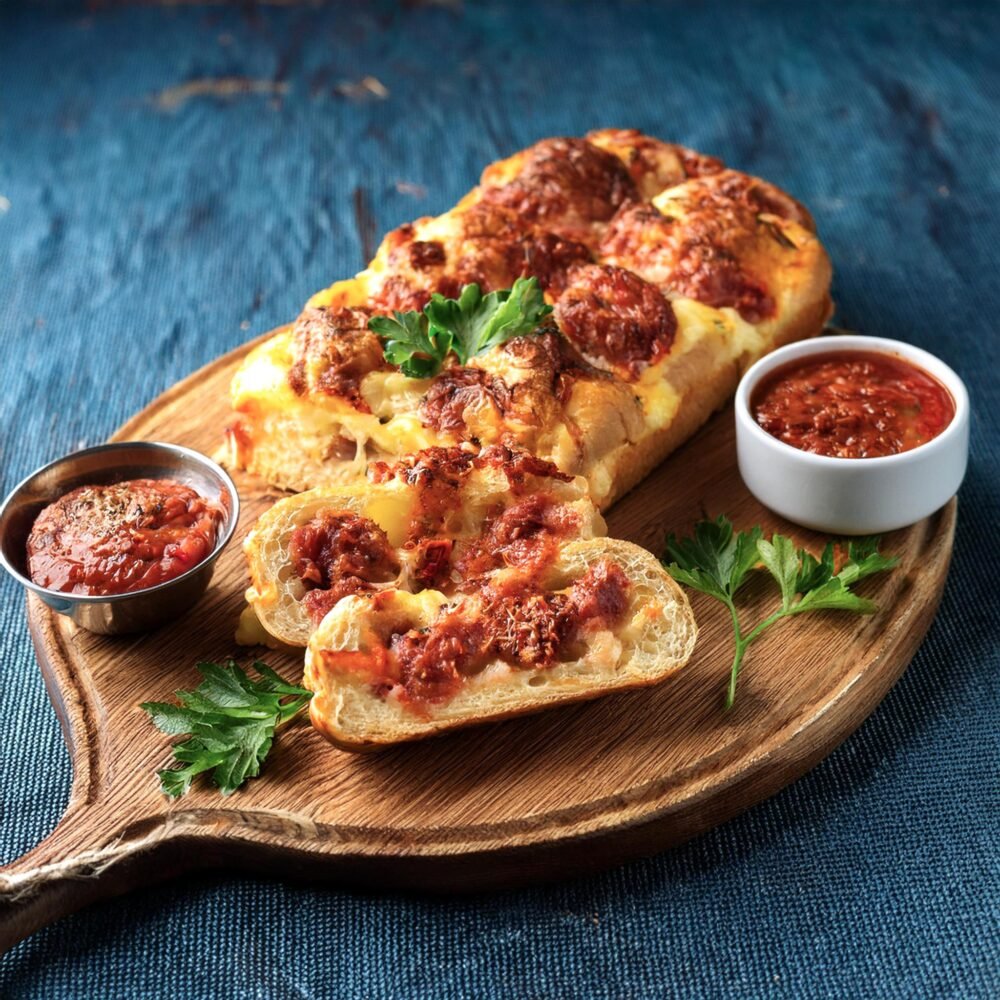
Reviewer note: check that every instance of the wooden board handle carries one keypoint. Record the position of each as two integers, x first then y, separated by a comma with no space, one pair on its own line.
98,840
72,867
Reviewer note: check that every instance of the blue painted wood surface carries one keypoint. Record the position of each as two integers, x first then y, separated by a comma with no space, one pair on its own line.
177,178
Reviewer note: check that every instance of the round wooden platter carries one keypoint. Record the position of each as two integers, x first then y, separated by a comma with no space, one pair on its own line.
550,795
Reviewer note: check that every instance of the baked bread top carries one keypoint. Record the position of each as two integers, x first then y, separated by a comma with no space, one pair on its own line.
664,269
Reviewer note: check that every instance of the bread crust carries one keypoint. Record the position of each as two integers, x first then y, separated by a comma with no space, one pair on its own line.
670,275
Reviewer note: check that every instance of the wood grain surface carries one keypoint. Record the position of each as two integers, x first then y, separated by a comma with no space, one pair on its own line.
545,796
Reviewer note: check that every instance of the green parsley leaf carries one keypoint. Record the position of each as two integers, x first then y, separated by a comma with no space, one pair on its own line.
782,561
717,562
229,722
411,344
863,559
813,572
170,719
473,323
714,560
832,596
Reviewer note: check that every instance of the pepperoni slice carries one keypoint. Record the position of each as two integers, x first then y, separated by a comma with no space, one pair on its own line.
459,389
694,257
548,257
613,314
332,351
754,194
497,247
565,185
713,276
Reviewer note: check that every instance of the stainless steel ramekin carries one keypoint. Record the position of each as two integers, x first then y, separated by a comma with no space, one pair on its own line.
139,610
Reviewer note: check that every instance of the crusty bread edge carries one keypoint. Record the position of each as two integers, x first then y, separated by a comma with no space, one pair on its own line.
585,694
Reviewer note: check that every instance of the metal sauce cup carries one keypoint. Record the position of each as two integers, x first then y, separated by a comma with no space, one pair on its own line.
139,610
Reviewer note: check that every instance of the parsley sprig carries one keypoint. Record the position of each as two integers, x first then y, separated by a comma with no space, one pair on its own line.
419,342
717,562
229,721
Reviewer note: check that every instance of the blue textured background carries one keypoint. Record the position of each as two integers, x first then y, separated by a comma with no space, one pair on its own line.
145,230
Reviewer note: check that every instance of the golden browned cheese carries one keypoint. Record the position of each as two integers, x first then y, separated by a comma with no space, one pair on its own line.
668,274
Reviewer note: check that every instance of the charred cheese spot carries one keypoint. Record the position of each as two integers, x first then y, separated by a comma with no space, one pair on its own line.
332,351
562,185
436,477
449,464
653,165
407,269
425,254
485,249
453,464
614,315
518,466
536,392
398,293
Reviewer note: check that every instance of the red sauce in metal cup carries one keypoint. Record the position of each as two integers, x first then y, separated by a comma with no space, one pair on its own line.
852,404
122,537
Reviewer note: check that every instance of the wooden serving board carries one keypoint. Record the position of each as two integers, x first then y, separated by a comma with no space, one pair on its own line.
544,796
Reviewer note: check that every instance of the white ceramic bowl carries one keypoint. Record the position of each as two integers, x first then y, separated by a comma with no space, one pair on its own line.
852,496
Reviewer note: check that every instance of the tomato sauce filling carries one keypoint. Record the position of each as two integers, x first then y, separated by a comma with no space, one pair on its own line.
437,476
122,537
527,627
432,565
526,536
339,553
852,404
